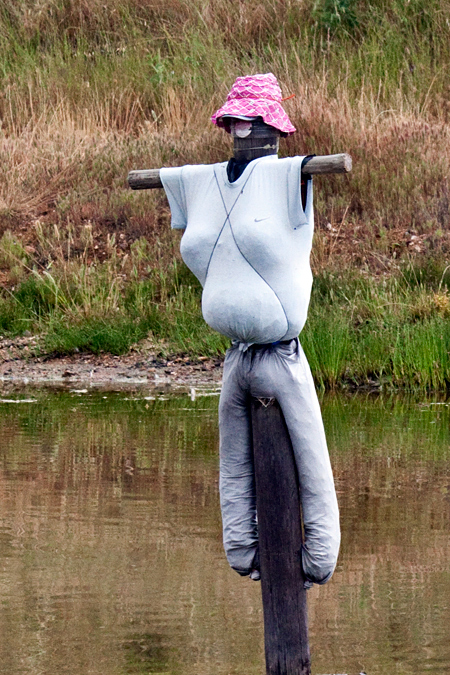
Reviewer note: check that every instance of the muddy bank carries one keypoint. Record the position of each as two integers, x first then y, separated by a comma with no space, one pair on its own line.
19,366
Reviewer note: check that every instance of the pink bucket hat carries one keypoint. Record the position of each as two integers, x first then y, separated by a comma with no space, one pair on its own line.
255,96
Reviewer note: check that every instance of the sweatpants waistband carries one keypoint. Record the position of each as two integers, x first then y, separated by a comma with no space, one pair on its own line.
245,346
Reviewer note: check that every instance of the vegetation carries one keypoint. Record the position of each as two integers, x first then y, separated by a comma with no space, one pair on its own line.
395,332
90,90
80,305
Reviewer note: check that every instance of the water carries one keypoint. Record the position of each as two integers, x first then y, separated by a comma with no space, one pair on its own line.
110,546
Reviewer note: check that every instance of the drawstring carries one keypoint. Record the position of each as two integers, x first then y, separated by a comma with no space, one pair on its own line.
242,346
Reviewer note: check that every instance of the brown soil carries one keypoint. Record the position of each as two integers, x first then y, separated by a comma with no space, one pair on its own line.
18,366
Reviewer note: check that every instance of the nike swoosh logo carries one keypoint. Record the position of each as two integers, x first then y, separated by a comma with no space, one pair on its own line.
258,220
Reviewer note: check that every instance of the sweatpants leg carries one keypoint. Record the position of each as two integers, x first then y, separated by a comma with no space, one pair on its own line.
282,372
237,481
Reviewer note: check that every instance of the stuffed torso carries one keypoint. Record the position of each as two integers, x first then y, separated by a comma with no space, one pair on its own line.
248,243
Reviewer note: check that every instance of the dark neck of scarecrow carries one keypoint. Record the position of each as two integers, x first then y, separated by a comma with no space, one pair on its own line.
263,140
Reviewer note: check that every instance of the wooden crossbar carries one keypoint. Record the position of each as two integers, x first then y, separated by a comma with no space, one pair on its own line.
148,179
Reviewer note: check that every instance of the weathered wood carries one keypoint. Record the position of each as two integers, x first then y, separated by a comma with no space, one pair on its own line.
146,179
280,539
263,140
329,164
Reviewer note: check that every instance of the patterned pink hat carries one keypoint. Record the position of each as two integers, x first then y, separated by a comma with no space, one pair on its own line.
255,96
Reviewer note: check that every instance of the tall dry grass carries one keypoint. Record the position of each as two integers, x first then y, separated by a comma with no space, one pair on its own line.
90,90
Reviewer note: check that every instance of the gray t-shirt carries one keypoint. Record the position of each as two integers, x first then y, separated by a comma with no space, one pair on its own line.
248,243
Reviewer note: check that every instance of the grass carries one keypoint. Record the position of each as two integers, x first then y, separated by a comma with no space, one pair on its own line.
90,90
391,331
87,305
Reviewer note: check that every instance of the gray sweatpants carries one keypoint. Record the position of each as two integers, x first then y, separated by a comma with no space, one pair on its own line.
278,371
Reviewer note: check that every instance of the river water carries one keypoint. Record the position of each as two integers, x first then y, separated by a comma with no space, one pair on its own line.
110,543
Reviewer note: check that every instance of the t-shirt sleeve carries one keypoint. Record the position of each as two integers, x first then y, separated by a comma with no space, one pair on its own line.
298,216
172,180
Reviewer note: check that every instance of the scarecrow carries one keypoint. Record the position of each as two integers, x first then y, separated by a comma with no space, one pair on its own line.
248,228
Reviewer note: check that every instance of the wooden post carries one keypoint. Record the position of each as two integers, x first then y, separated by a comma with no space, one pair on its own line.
146,179
280,539
277,484
263,140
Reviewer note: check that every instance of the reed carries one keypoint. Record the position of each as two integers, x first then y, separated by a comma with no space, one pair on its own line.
389,332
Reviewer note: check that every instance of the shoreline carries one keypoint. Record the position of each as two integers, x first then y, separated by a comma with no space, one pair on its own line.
139,372
143,368
137,369
85,373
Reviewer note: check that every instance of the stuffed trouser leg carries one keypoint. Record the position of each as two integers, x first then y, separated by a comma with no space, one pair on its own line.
278,371
237,479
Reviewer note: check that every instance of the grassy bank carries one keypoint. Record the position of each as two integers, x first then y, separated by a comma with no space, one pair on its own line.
90,90
391,331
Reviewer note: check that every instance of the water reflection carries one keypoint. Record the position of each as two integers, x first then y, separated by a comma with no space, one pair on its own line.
110,544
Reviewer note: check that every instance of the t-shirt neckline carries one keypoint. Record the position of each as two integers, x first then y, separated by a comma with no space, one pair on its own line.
244,175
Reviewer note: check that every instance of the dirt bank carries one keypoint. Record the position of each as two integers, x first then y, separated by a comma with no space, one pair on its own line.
20,366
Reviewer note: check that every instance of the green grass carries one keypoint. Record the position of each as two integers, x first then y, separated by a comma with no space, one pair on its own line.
88,306
389,332
412,356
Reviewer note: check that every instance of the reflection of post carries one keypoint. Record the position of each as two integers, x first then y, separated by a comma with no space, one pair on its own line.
280,539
